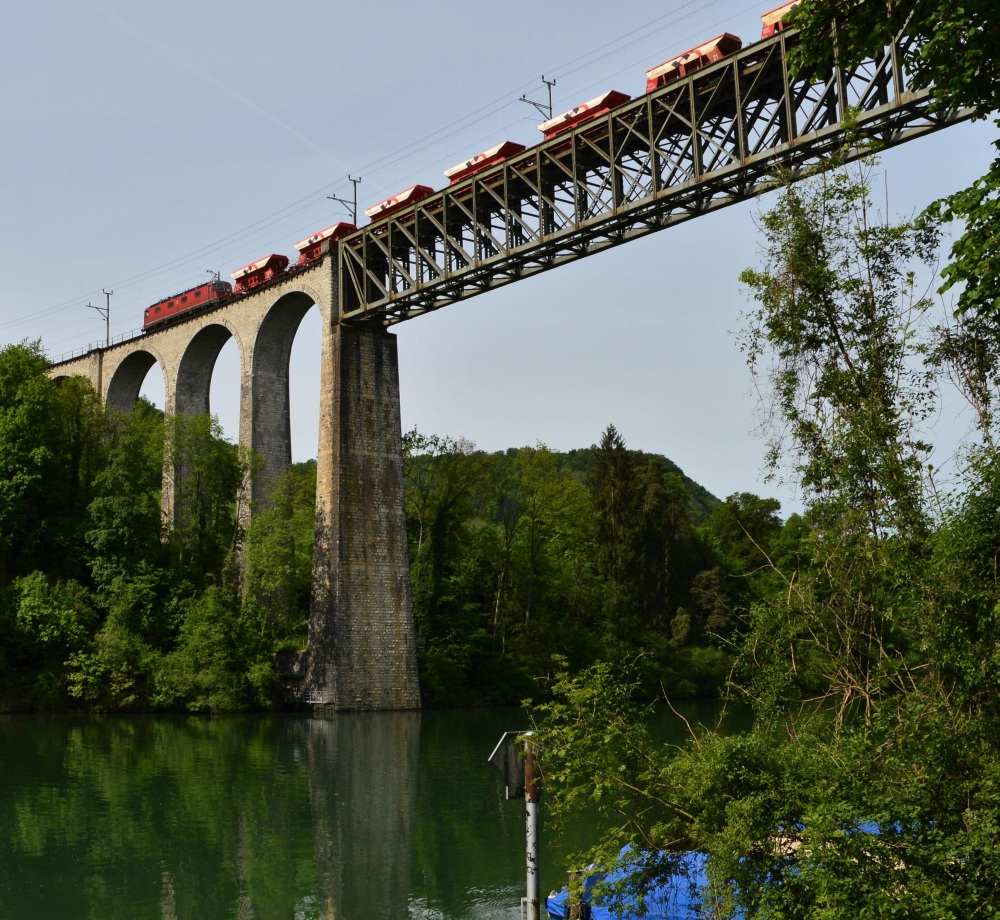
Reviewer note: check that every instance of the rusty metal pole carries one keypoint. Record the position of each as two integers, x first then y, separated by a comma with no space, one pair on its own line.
531,791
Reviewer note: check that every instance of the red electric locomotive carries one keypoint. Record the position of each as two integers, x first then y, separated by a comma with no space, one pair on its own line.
211,292
590,109
260,272
312,248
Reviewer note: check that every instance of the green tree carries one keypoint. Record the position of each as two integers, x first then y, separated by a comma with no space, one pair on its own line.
441,477
274,606
206,671
747,525
866,786
53,620
646,545
952,49
208,475
838,314
116,670
125,515
50,447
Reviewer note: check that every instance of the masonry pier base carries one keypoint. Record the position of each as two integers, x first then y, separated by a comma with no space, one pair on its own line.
362,653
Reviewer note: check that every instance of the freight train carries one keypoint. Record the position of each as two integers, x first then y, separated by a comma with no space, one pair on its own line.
313,248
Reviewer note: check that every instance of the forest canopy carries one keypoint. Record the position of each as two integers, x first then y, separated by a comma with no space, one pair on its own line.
596,554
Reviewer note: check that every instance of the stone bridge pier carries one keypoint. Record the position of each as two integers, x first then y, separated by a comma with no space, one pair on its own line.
361,652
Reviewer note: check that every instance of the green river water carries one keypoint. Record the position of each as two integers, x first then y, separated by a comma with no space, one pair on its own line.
354,817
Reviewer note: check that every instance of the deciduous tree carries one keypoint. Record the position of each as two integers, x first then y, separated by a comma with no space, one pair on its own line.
867,784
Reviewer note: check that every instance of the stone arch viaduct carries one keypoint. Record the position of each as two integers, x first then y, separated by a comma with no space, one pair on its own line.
362,651
702,142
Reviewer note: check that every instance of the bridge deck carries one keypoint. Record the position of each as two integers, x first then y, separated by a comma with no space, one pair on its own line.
709,140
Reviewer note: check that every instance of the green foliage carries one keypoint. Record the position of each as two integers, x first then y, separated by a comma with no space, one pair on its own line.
838,319
276,577
209,477
203,672
514,556
522,554
125,516
50,447
269,559
646,548
867,785
115,670
107,608
952,49
975,255
748,526
52,622
602,706
699,501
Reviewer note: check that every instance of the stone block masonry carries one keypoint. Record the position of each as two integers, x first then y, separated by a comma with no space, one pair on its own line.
362,653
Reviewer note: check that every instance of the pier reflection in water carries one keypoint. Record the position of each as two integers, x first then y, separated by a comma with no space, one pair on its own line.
354,817
362,793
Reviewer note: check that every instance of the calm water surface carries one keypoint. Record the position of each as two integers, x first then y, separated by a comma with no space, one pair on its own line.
354,817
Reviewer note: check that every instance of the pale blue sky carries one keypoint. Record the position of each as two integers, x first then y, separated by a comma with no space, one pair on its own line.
143,143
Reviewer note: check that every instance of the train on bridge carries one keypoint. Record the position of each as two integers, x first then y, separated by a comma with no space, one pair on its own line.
315,247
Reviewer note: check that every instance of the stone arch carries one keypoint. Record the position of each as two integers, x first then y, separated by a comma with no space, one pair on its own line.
194,372
267,426
191,396
126,380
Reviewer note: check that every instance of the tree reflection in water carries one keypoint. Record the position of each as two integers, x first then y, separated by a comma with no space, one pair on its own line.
359,816
354,816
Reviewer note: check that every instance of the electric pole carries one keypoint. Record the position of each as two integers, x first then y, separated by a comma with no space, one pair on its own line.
105,311
546,110
347,204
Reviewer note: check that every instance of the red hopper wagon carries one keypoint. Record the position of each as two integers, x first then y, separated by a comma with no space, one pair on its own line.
590,109
774,21
708,53
483,160
396,202
260,272
311,249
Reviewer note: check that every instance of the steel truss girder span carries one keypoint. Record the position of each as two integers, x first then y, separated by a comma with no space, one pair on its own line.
710,140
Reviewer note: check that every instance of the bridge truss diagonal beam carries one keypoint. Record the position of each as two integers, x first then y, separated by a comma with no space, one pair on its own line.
712,139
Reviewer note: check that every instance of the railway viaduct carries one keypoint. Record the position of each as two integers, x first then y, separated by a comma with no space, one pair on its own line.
367,659
706,141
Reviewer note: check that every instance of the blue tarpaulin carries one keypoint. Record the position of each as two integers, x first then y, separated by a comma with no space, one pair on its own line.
678,898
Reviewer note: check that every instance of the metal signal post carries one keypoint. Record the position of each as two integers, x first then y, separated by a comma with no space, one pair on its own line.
546,110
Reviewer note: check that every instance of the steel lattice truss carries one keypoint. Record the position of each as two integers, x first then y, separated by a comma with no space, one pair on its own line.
712,139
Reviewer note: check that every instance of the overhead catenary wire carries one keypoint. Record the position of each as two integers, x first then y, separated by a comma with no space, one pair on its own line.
399,154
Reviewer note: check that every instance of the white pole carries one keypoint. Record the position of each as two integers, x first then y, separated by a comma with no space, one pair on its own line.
531,831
